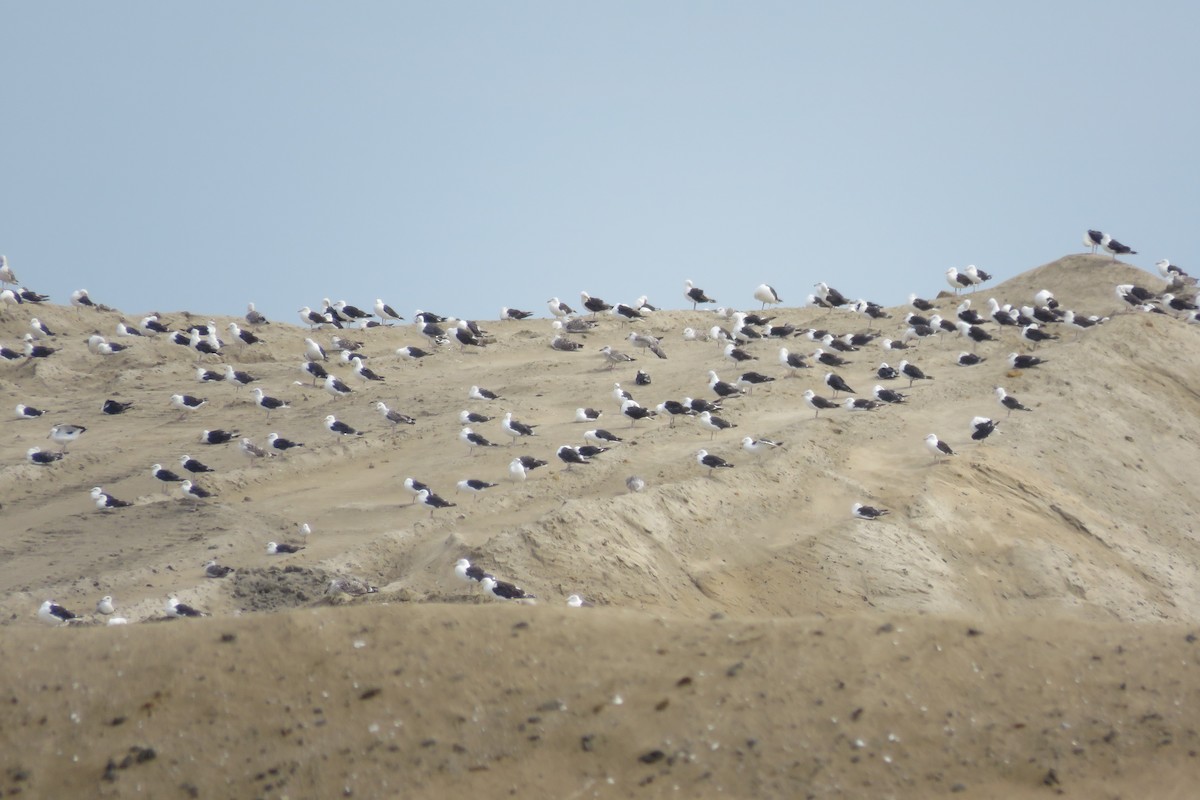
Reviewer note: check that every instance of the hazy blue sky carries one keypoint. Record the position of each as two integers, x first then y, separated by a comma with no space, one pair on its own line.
461,156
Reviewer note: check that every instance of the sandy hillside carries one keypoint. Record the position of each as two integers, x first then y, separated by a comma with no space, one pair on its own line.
1018,625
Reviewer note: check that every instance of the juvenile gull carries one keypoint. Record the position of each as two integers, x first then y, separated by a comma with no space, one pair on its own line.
647,342
614,357
214,570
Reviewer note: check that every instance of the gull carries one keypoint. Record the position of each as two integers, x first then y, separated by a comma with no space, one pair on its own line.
614,357
767,295
314,369
514,313
176,609
695,295
479,393
570,456
473,440
505,590
1009,402
6,274
363,372
647,342
64,434
937,447
336,388
474,485
868,512
714,424
186,403
214,570
818,403
42,457
982,428
759,446
434,502
737,355
277,442
238,378
40,329
268,403
193,491
347,588
559,308
514,428
106,605
793,361
705,459
837,383
464,570
283,548
164,475
635,483
340,428
104,500
193,466
52,613
28,412
385,312
1019,361
394,417
632,409
314,351
254,317
413,353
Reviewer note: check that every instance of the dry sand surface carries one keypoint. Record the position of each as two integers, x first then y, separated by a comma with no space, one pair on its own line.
1020,625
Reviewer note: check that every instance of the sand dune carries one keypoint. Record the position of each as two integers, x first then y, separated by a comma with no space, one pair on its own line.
1066,539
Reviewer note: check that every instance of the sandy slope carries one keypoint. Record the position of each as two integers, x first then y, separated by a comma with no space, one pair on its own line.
1063,538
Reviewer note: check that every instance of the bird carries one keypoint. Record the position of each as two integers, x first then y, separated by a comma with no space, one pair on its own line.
467,337
714,424
514,428
767,295
268,403
593,304
385,312
105,500
251,450
1178,303
1009,402
518,470
837,383
957,280
395,418
831,297
336,426
106,606
468,417
36,455
1032,333
186,403
695,295
254,316
1019,361
245,337
886,373
28,412
793,361
1116,248
868,512
565,345
474,485
982,427
737,355
861,404
559,308
283,548
410,353
721,388
164,475
912,372
674,408
311,318
635,483
705,459
176,609
466,571
829,359
125,330
479,393
347,588
647,342
937,447
414,487
214,570
601,436
1093,239
888,395
614,357
434,502
36,350
642,378
363,372
474,440
628,312
630,408
314,370
920,304
314,351
336,388
40,329
514,313
193,491
969,359
277,442
217,437
7,276
818,403
505,590
759,446
571,456
193,466
52,613
64,434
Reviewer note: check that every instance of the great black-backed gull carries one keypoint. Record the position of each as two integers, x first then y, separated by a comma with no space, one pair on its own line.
336,387
8,354
829,359
957,280
601,436
165,475
100,346
415,487
432,501
474,486
411,353
969,315
193,491
982,427
767,295
888,395
559,308
363,372
315,370
28,412
505,590
479,393
886,372
674,408
339,428
40,329
1093,239
80,299
214,570
626,312
975,333
1009,402
868,512
474,440
268,403
919,303
176,609
837,383
515,428
125,330
714,424
514,313
1019,361
217,437
642,378
706,459
831,296
52,613
238,378
818,403
277,442
571,456
36,350
468,417
721,388
63,434
186,403
912,372
634,411
620,395
1116,248
737,355
860,404
1178,303
41,457
103,499
1032,333
464,570
518,470
593,304
937,447
695,295
245,337
969,359
757,447
793,361
977,275
748,380
193,466
282,548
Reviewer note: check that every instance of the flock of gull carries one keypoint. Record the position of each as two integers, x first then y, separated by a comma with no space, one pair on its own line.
741,338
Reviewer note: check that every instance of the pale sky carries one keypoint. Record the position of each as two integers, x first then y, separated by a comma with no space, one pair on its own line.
462,156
